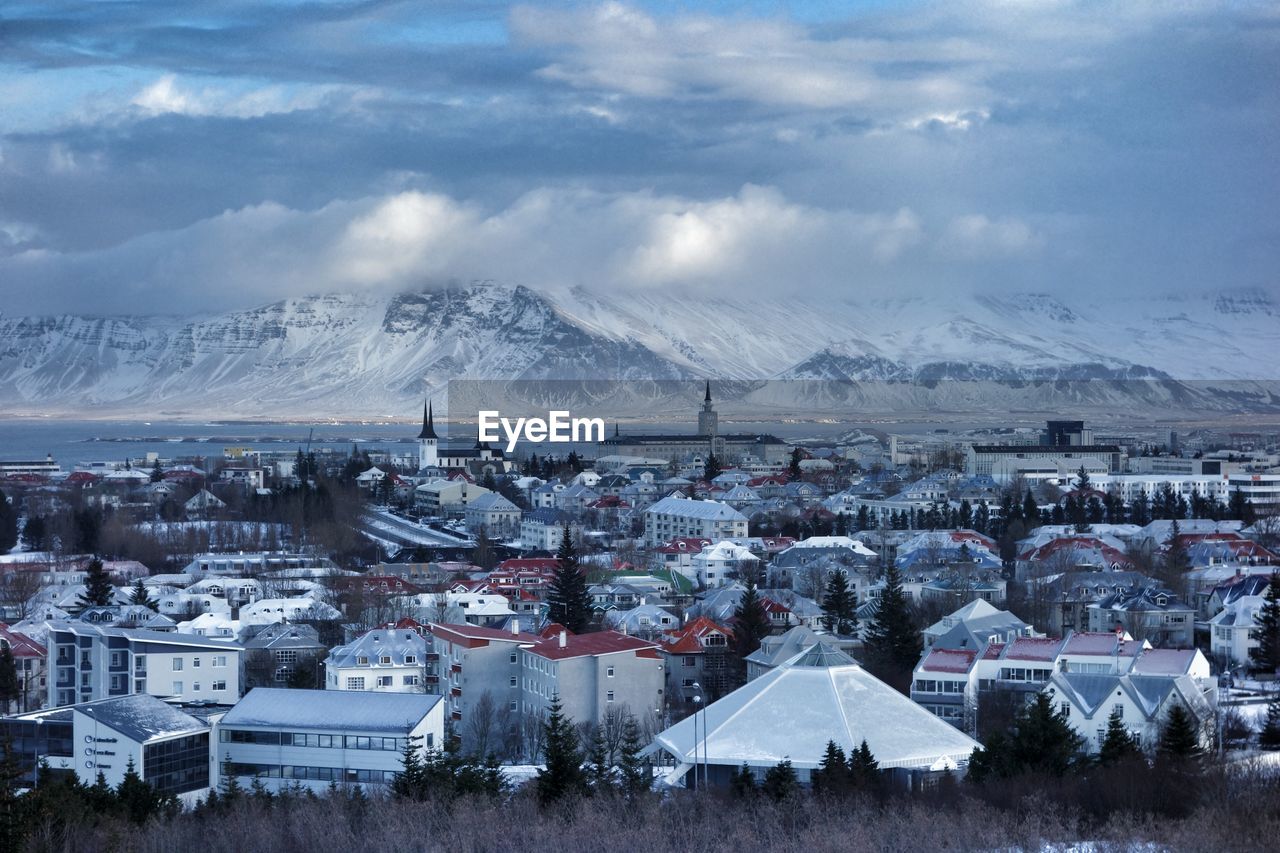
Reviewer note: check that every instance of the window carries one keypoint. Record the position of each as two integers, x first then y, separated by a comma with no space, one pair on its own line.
287,656
177,664
1118,709
385,680
608,697
513,681
219,660
362,661
410,659
688,682
195,662
385,659
117,660
177,687
513,657
410,680
355,683
609,672
195,687
219,685
690,660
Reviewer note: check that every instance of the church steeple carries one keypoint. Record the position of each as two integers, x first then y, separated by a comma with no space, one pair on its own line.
428,422
707,399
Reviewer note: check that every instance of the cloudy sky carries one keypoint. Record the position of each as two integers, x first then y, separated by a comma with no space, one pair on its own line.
177,157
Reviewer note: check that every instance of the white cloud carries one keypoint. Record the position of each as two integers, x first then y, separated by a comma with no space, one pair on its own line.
977,236
168,95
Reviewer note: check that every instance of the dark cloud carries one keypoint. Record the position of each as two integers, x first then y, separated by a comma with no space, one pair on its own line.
1116,146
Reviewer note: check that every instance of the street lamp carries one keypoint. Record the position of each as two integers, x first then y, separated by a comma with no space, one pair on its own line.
697,700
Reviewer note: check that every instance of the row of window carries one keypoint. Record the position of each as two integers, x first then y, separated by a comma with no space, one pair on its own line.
357,682
318,741
177,663
319,774
932,686
195,686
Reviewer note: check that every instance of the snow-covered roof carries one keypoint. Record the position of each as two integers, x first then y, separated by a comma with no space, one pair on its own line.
792,711
330,710
141,717
707,510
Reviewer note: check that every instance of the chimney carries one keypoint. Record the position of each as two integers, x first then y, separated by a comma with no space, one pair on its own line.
564,639
515,626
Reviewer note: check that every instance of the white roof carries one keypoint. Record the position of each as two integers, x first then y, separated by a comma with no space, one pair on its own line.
792,711
710,510
330,710
854,545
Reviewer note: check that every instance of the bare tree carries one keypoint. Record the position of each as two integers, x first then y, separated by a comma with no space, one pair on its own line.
480,725
532,728
18,588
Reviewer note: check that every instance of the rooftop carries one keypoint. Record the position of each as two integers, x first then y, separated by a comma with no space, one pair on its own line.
331,710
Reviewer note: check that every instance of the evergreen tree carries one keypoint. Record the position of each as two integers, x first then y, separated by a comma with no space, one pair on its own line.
13,823
1265,657
864,770
840,606
743,782
599,771
568,601
781,781
982,519
98,589
140,595
793,466
1269,737
1041,741
8,524
711,468
1239,508
1119,743
635,777
750,622
35,533
1030,509
482,553
138,799
562,776
1140,510
411,782
157,473
10,686
230,791
832,775
892,641
1178,736
1083,483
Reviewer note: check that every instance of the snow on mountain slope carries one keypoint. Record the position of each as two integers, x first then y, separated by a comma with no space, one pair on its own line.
349,355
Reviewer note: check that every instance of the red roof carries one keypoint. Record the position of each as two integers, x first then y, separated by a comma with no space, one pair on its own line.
473,635
553,629
83,477
544,564
688,640
20,644
599,643
1033,648
684,545
949,660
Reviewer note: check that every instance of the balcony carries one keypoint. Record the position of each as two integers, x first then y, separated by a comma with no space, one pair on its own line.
457,667
433,656
455,691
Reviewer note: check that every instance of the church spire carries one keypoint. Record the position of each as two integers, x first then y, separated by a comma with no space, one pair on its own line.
428,422
707,399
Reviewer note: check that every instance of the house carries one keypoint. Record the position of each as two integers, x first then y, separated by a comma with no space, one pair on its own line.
944,683
1232,630
646,620
283,738
593,675
30,661
777,649
974,625
792,711
698,657
716,565
385,660
674,517
442,497
1148,613
498,516
543,529
469,662
1143,701
1068,595
89,662
276,654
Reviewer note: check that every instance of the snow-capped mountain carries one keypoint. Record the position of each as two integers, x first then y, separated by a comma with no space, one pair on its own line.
349,356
